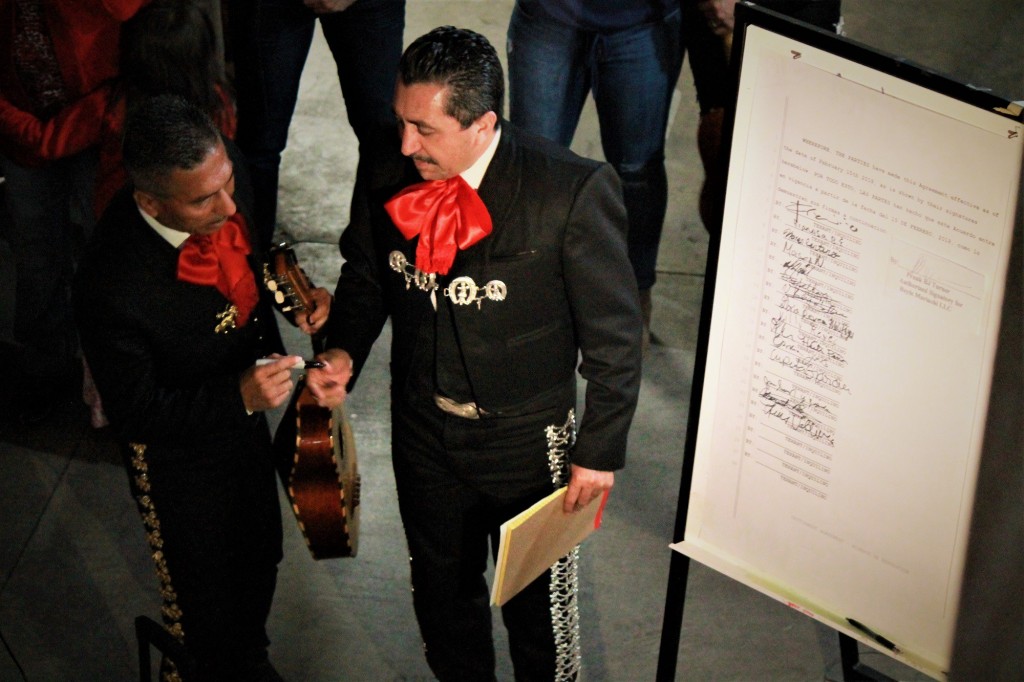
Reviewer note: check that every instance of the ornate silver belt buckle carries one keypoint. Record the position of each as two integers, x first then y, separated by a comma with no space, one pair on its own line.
463,410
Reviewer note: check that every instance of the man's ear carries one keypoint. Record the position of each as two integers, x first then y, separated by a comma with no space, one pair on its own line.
147,202
486,122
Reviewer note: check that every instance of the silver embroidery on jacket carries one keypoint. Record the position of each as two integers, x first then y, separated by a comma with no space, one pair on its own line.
461,291
413,275
464,291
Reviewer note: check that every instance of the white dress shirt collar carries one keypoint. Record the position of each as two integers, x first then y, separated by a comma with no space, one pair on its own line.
474,175
174,237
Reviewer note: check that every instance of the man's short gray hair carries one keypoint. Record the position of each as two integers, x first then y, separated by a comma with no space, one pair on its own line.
165,133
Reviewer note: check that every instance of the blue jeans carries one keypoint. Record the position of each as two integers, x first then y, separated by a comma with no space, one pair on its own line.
272,40
631,73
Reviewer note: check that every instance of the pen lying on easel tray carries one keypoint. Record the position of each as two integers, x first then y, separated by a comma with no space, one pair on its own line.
888,644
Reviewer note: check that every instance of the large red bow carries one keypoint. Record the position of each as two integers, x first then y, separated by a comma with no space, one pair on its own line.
448,215
218,260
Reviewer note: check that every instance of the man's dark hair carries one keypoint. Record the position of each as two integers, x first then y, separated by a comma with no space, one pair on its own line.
465,63
165,133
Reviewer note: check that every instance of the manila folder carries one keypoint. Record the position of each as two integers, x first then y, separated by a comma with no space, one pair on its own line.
535,539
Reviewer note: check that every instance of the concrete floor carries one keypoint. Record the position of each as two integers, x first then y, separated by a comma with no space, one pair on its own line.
74,570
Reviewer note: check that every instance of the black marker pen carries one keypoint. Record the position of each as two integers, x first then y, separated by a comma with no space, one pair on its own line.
888,644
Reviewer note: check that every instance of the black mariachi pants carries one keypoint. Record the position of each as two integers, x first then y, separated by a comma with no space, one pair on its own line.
213,522
458,480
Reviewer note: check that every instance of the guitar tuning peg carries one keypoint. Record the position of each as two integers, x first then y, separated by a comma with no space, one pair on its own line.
278,296
271,284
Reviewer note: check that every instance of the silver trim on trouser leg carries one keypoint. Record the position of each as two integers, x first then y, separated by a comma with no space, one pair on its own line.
565,581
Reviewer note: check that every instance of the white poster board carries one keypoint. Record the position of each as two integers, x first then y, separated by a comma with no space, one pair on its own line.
856,308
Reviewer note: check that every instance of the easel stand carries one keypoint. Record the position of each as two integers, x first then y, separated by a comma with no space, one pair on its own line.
668,654
833,232
853,669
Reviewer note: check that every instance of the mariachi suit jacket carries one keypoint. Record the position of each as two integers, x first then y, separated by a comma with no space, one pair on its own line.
167,378
558,248
201,469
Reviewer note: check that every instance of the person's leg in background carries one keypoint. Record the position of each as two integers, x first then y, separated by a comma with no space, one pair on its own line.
632,73
548,73
271,40
366,42
50,210
825,14
635,72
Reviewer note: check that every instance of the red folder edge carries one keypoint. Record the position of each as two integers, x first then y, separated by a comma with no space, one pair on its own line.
600,510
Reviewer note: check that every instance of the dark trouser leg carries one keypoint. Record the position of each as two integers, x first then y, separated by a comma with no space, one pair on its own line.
645,194
366,42
448,555
215,531
548,74
532,649
554,651
51,215
268,66
824,14
636,70
458,480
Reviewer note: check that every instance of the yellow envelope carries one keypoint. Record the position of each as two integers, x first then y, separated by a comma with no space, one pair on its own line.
535,539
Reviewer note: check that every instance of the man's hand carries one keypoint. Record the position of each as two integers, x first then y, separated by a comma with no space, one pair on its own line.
264,387
585,485
328,384
327,6
312,321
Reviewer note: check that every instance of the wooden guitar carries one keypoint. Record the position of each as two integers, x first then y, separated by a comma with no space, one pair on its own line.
316,454
292,290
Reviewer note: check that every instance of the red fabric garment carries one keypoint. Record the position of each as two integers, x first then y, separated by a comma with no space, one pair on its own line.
85,36
77,127
447,215
35,61
220,260
97,118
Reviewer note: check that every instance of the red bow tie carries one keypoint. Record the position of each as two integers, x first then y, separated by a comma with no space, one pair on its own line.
448,215
219,260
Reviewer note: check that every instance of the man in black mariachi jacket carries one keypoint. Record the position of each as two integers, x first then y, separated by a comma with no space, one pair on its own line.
172,321
493,295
